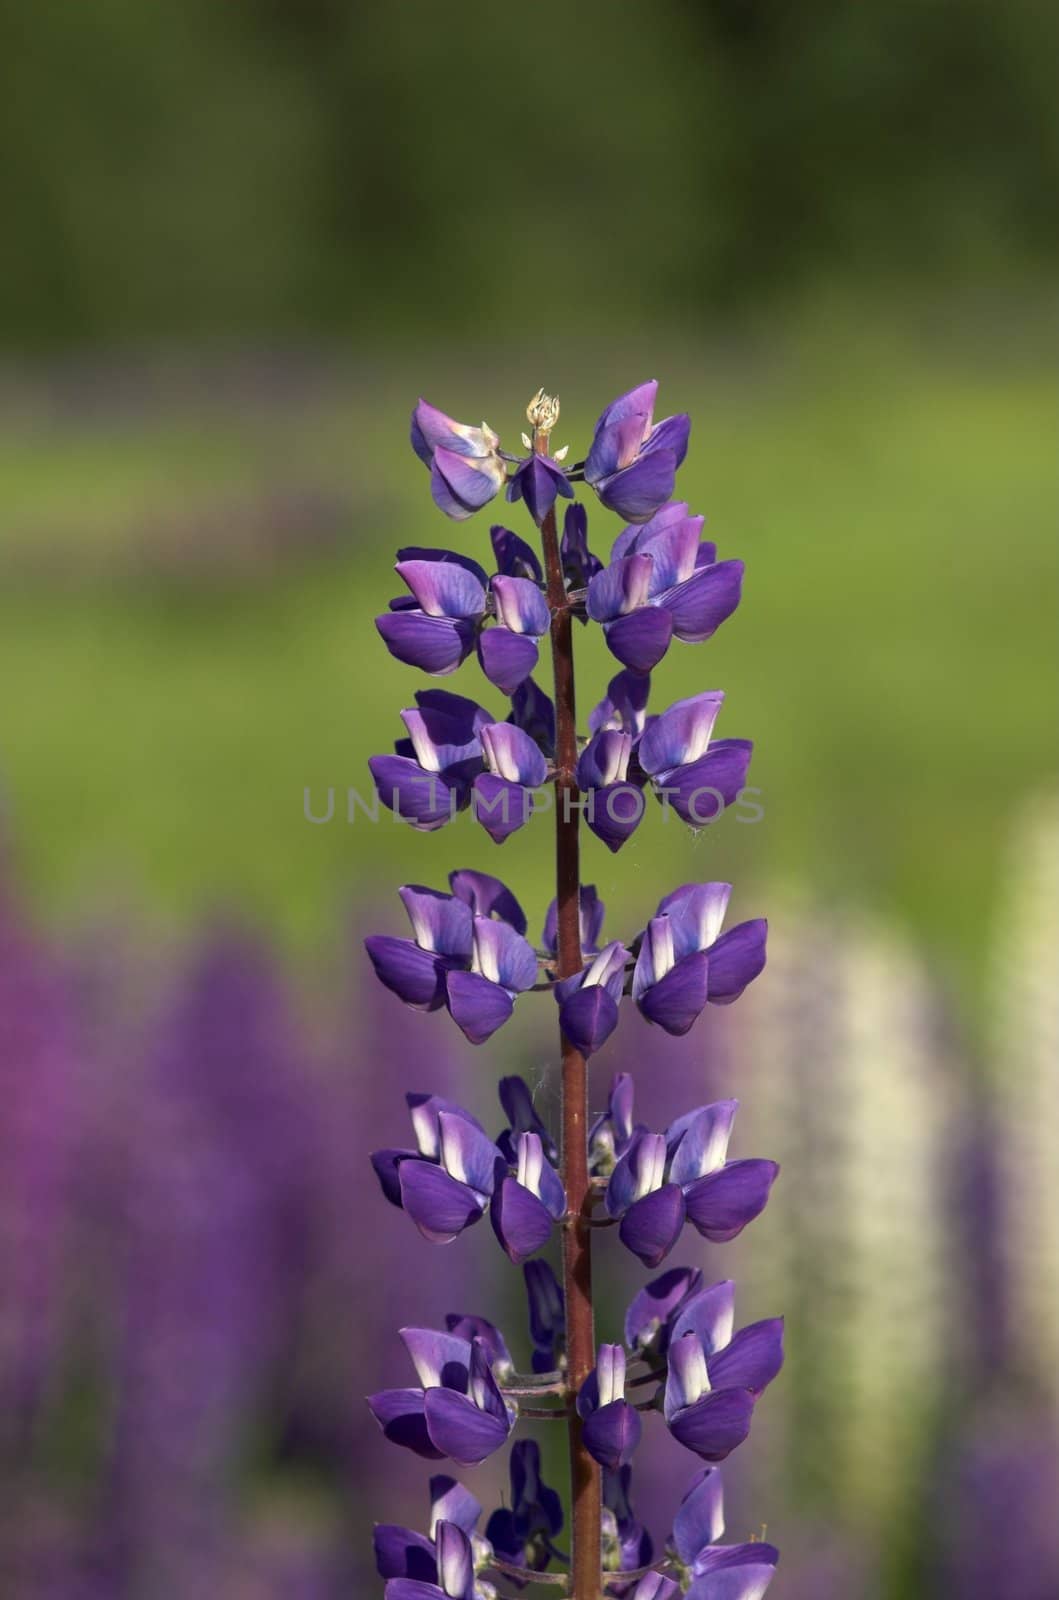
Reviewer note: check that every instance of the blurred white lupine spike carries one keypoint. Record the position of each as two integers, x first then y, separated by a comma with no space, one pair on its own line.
858,1109
1023,1019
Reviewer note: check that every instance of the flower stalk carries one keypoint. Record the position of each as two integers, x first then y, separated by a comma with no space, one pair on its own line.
577,1239
469,955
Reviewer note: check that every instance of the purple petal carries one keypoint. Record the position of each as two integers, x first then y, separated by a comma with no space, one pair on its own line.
721,1204
503,956
655,1586
611,1434
696,914
699,793
461,485
671,434
604,760
520,606
534,713
467,1154
411,1589
514,557
624,705
477,1006
651,1226
521,1113
537,480
455,1561
470,1328
439,1358
416,976
507,658
521,1222
734,1572
513,755
579,564
440,922
386,1164
700,1520
426,552
487,896
458,1429
439,1205
641,639
709,1315
702,602
622,587
432,429
700,1141
681,734
638,491
678,998
615,813
443,588
656,1302
400,1414
421,798
501,807
714,1426
616,443
433,644
400,1553
751,1360
736,959
451,1502
588,1018
638,401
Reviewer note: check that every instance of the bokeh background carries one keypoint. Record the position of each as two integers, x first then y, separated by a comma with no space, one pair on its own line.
238,242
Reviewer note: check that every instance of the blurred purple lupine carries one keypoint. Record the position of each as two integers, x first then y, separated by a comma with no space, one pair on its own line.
41,1086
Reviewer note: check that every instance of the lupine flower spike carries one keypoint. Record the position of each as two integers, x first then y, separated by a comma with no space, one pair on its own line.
468,952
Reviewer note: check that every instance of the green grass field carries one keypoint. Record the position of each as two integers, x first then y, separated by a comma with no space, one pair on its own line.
893,658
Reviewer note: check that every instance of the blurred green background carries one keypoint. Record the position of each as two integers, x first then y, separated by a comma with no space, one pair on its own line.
240,240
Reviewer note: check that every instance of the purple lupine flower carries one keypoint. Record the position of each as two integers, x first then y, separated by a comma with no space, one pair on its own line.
615,804
611,1426
627,1544
522,1534
509,651
538,479
663,582
515,766
457,1171
468,953
697,775
402,1553
454,1570
437,624
684,960
579,564
527,1203
434,627
429,776
466,468
446,1183
633,463
523,1117
714,1376
533,711
458,1412
652,1312
663,1179
589,1000
38,1146
716,1571
610,1133
547,1315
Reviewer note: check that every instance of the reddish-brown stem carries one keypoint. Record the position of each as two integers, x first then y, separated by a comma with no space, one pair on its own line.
586,1558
